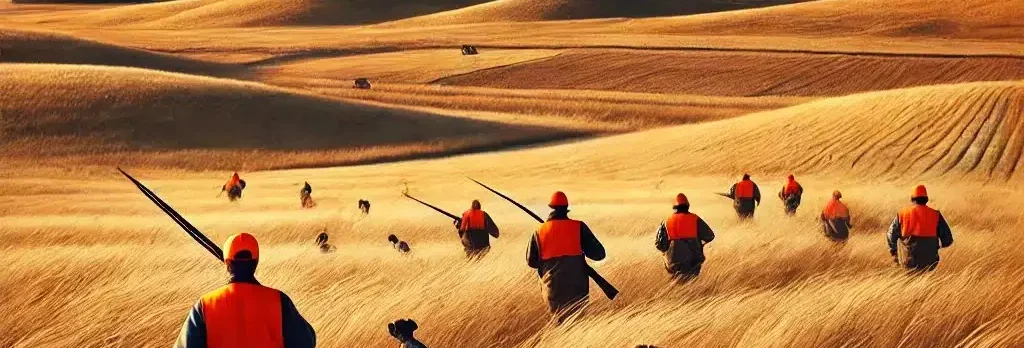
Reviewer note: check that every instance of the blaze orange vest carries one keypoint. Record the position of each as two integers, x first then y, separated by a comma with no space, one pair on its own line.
745,189
557,238
835,209
473,219
234,181
792,187
681,226
919,221
243,315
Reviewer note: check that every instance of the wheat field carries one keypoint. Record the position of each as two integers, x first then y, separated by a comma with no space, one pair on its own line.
619,104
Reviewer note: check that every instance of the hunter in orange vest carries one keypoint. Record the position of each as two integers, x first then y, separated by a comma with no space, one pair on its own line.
681,238
745,197
475,230
244,313
835,219
917,233
558,251
790,195
234,187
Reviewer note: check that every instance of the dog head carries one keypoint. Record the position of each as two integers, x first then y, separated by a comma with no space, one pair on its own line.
402,329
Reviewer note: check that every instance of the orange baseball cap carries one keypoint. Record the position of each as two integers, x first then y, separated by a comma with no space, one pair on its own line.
919,191
681,199
558,199
239,243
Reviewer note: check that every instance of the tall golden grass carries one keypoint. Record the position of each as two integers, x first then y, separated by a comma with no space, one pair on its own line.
90,262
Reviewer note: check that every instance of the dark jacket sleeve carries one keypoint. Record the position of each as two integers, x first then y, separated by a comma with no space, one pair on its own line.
491,227
894,235
661,238
944,233
732,191
704,231
297,331
757,194
193,332
592,247
533,253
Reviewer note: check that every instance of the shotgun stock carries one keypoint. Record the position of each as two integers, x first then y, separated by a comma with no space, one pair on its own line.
609,290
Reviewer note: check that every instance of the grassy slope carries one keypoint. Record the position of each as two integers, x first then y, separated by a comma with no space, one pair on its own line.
109,115
28,46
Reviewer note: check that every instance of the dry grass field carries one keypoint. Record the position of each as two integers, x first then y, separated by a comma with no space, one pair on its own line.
621,112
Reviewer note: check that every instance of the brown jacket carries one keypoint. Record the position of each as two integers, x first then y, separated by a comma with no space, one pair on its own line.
684,256
476,240
566,284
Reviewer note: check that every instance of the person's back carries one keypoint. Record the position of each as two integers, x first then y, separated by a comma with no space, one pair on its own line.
475,229
244,313
746,196
558,251
790,194
917,233
681,238
835,219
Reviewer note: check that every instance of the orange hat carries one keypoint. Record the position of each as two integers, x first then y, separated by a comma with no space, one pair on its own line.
919,191
241,242
681,199
836,194
558,199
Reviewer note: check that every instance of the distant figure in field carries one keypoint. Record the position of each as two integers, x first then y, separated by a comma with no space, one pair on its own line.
558,251
790,195
403,331
917,233
321,241
364,206
835,219
746,196
399,245
304,196
681,238
233,187
475,230
244,313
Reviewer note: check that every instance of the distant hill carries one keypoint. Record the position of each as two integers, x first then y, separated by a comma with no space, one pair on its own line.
739,73
544,10
106,115
233,13
965,130
23,46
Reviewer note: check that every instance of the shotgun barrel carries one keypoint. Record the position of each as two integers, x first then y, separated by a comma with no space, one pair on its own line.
192,231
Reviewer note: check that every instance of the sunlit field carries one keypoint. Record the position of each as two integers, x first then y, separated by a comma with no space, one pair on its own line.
621,104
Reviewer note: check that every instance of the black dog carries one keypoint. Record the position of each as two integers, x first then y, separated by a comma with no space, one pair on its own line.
402,330
364,206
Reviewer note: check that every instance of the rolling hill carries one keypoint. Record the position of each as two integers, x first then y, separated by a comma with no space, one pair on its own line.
729,73
950,19
25,46
974,129
547,10
103,115
245,13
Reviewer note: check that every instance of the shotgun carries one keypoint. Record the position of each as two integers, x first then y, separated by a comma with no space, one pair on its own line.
439,210
192,231
609,290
